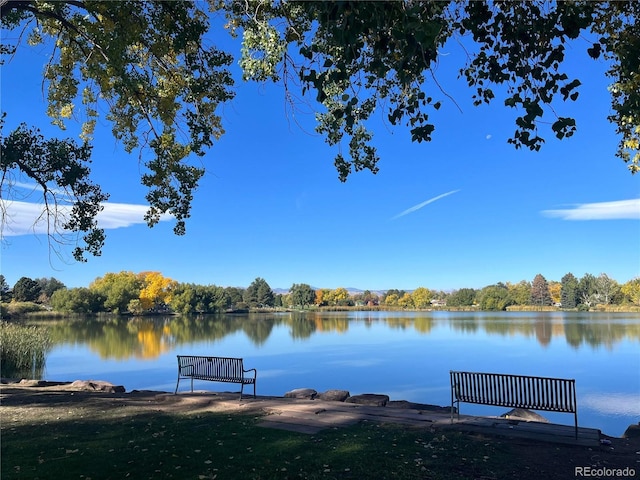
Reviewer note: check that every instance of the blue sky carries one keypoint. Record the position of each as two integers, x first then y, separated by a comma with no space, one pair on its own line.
465,210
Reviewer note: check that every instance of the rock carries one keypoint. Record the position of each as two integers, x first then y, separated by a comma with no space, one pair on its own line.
309,393
7,381
39,383
97,386
371,399
524,415
633,431
334,395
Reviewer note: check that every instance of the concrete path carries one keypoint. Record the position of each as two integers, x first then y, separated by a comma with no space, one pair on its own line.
312,416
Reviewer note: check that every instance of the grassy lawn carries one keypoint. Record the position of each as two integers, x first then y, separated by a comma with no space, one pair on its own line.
231,446
53,433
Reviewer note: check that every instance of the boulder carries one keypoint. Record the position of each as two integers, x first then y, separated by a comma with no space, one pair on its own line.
39,383
334,395
371,399
522,414
633,431
97,386
308,393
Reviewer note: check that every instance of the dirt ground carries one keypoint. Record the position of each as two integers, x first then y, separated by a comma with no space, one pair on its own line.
18,404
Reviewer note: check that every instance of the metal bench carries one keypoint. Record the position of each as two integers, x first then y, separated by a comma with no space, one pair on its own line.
215,369
515,391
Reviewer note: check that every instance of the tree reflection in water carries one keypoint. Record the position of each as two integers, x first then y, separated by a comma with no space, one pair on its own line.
149,337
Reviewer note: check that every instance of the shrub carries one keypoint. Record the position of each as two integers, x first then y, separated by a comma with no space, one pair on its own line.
21,308
76,300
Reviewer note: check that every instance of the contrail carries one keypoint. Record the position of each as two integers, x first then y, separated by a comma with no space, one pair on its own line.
426,202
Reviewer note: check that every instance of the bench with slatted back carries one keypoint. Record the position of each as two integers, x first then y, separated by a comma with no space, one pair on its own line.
215,369
515,391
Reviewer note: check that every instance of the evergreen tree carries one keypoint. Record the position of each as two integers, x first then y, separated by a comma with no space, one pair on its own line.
258,294
5,290
569,292
540,295
26,290
265,295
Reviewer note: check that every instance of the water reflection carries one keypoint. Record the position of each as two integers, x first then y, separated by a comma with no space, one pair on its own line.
148,338
616,403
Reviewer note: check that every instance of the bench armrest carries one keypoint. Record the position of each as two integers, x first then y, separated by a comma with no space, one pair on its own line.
186,369
255,372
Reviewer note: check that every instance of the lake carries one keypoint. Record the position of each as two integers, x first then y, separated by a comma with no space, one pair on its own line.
406,355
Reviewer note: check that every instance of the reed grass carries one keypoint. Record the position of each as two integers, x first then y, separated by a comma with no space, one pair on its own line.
23,350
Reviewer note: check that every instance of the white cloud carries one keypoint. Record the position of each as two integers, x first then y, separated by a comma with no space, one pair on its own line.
618,210
488,137
423,204
25,218
31,188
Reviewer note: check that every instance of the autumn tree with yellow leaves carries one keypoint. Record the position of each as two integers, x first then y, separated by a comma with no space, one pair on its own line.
157,290
421,297
631,290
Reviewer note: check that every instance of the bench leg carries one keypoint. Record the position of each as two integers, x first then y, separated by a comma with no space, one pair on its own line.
452,402
455,409
177,385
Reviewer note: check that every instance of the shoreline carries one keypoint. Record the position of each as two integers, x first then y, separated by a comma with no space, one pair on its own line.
367,400
98,432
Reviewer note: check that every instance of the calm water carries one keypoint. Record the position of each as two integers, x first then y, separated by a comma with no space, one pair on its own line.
406,355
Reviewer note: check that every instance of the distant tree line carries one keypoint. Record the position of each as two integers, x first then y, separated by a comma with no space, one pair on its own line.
27,289
148,292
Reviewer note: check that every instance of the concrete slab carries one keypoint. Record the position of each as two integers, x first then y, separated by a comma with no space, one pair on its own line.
546,432
311,416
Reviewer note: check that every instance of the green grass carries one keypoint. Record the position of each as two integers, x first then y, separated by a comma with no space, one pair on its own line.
222,446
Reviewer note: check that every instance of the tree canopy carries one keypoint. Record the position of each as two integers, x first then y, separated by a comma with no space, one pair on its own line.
26,290
258,294
362,56
302,295
148,66
152,67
